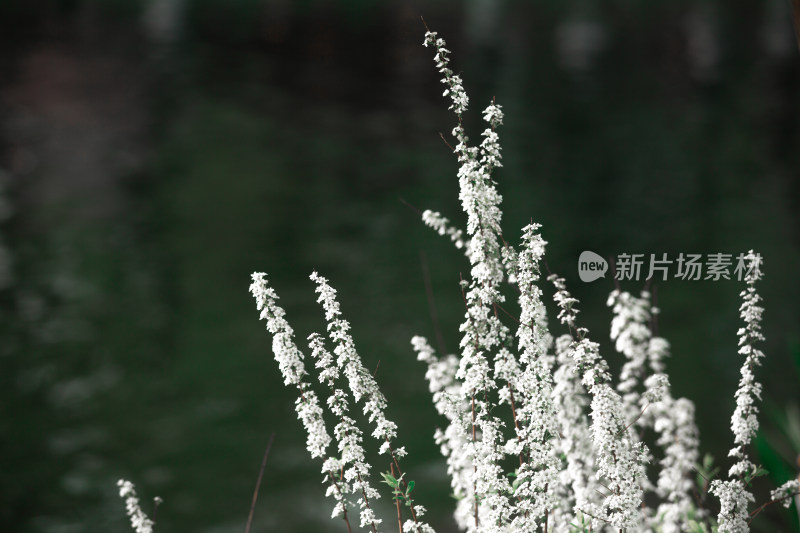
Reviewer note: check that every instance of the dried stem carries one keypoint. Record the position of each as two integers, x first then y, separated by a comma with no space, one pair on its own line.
258,482
426,275
767,504
400,478
344,507
397,503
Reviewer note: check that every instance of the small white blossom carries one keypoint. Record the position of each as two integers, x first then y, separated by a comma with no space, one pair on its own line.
290,362
744,422
454,441
733,499
785,492
368,518
362,386
733,495
442,226
139,520
619,456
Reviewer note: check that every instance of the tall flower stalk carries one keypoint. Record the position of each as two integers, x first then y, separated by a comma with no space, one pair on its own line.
642,380
734,495
620,457
140,522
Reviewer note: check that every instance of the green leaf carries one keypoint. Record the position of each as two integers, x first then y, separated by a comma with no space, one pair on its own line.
750,476
390,480
410,487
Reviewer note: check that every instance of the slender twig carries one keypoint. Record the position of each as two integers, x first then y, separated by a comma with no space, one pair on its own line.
447,143
401,478
408,205
546,514
366,501
474,467
344,506
397,503
156,502
647,283
426,275
626,428
258,482
361,482
796,18
616,280
593,516
516,423
515,319
767,504
654,316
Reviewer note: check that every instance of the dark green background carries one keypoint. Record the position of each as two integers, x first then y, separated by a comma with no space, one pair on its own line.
149,176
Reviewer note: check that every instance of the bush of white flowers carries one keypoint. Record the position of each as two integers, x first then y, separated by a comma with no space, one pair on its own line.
573,437
538,438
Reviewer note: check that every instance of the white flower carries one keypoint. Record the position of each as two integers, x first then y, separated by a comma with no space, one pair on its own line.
744,422
362,386
619,456
290,362
442,226
139,520
733,500
454,441
785,492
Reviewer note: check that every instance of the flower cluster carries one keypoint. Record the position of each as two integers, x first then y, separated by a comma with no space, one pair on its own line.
139,520
734,494
648,400
442,226
619,456
744,422
349,384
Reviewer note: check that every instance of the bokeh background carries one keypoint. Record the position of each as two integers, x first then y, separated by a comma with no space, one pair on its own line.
155,153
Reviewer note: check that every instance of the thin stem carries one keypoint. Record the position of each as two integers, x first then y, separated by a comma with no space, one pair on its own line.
626,428
156,503
408,205
511,398
344,507
516,424
593,516
614,269
796,18
366,502
258,482
397,503
447,143
426,275
546,515
767,504
474,467
400,478
515,319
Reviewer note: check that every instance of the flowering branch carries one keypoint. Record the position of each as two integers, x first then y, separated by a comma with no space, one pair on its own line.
139,520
